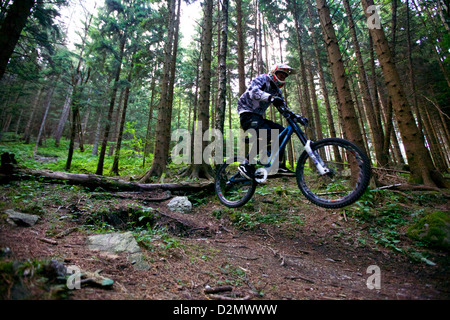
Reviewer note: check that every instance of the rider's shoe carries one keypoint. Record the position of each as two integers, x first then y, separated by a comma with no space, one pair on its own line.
247,171
285,171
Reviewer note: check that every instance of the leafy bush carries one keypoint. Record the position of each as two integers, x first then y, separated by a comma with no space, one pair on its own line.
54,158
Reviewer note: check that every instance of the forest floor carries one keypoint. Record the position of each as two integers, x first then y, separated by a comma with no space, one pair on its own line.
276,247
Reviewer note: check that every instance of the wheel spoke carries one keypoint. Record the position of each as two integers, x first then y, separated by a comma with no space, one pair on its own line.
232,189
348,178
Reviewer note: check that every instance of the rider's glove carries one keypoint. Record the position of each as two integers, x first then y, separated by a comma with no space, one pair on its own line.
277,101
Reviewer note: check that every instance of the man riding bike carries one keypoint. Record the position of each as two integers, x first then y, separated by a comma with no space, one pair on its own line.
252,105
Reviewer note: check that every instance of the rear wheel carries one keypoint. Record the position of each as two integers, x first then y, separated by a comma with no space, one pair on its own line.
347,179
232,189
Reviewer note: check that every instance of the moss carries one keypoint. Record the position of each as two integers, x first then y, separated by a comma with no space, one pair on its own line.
34,209
433,229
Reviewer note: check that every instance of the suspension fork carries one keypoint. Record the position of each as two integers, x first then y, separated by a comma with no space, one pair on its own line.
315,157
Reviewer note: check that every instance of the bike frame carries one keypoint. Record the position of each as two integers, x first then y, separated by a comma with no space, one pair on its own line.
286,135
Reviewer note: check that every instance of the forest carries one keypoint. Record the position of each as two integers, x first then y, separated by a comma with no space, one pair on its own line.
96,89
126,65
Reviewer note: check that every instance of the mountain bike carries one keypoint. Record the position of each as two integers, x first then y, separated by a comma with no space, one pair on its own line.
330,173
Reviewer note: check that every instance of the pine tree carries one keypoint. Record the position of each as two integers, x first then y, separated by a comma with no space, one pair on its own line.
11,29
419,160
352,130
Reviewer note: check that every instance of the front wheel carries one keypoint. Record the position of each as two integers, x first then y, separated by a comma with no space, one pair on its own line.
232,189
347,177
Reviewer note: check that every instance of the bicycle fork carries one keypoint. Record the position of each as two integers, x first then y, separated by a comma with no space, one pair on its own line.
317,159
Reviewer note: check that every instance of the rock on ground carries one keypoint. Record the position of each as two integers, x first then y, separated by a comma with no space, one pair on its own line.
114,242
180,204
119,242
21,219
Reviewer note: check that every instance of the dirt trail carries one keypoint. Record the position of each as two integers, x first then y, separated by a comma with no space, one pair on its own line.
317,259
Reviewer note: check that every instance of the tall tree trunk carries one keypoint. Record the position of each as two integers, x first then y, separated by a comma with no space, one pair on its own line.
374,85
27,132
260,40
432,140
116,123
7,123
203,169
165,108
97,131
412,82
374,126
350,124
112,102
317,123
393,27
194,116
75,113
361,111
306,99
240,48
48,101
19,122
221,105
76,119
389,121
63,118
148,135
173,67
419,160
321,75
115,166
75,82
10,30
11,106
391,141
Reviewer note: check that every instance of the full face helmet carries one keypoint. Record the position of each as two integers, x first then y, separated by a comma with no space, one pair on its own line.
275,73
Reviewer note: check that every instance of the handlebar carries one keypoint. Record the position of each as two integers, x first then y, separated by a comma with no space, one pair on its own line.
288,114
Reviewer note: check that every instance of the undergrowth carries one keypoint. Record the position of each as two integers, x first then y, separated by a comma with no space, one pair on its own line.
50,157
384,215
388,215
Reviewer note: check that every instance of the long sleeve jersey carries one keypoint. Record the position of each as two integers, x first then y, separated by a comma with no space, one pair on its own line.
256,98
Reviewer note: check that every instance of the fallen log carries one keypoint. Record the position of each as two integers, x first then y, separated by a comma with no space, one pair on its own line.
137,195
107,183
50,241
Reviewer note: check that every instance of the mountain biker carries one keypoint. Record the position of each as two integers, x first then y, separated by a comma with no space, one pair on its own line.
252,105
